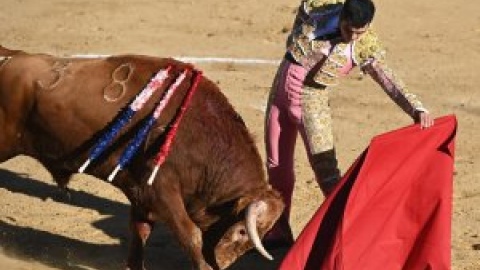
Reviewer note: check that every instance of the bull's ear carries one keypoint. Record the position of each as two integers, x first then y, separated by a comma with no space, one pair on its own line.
242,203
275,203
270,196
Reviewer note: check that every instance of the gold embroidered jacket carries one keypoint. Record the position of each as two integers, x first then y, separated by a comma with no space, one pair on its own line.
314,41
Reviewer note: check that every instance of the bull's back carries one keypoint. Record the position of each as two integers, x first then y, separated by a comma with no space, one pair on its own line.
80,97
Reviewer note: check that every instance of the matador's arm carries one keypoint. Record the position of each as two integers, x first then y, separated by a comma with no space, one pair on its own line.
395,88
370,55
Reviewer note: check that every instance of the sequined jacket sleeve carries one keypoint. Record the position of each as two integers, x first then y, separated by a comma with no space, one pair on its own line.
315,18
370,56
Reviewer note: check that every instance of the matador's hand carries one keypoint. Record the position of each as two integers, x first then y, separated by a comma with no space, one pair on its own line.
424,118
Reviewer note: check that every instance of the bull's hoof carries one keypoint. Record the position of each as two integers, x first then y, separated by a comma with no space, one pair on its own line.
63,195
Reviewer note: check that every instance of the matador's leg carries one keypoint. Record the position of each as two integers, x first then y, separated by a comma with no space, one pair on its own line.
318,137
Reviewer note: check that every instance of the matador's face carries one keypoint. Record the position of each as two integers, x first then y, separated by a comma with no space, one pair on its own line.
351,33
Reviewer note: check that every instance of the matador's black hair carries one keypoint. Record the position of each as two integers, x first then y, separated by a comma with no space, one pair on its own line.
358,12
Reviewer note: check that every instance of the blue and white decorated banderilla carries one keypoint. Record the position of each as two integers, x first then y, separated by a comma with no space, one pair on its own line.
121,121
133,146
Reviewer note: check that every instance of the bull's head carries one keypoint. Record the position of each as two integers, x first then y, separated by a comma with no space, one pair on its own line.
255,217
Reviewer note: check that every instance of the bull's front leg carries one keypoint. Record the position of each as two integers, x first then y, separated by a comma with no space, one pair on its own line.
171,209
140,230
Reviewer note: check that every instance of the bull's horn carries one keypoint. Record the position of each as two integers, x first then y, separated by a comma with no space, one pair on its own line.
253,210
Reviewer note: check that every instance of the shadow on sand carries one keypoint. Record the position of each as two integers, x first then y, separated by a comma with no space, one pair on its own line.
64,253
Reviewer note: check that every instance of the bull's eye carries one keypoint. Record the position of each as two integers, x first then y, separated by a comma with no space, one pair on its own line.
242,232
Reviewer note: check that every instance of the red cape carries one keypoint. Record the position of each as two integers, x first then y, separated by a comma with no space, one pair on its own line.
391,210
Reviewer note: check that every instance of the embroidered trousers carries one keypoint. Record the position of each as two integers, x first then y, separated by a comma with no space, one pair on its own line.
294,108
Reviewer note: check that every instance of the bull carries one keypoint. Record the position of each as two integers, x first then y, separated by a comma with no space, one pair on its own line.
211,190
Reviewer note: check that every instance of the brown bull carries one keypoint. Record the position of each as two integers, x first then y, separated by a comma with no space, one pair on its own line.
211,190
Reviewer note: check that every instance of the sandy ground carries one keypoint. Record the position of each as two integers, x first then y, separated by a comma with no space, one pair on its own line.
434,45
